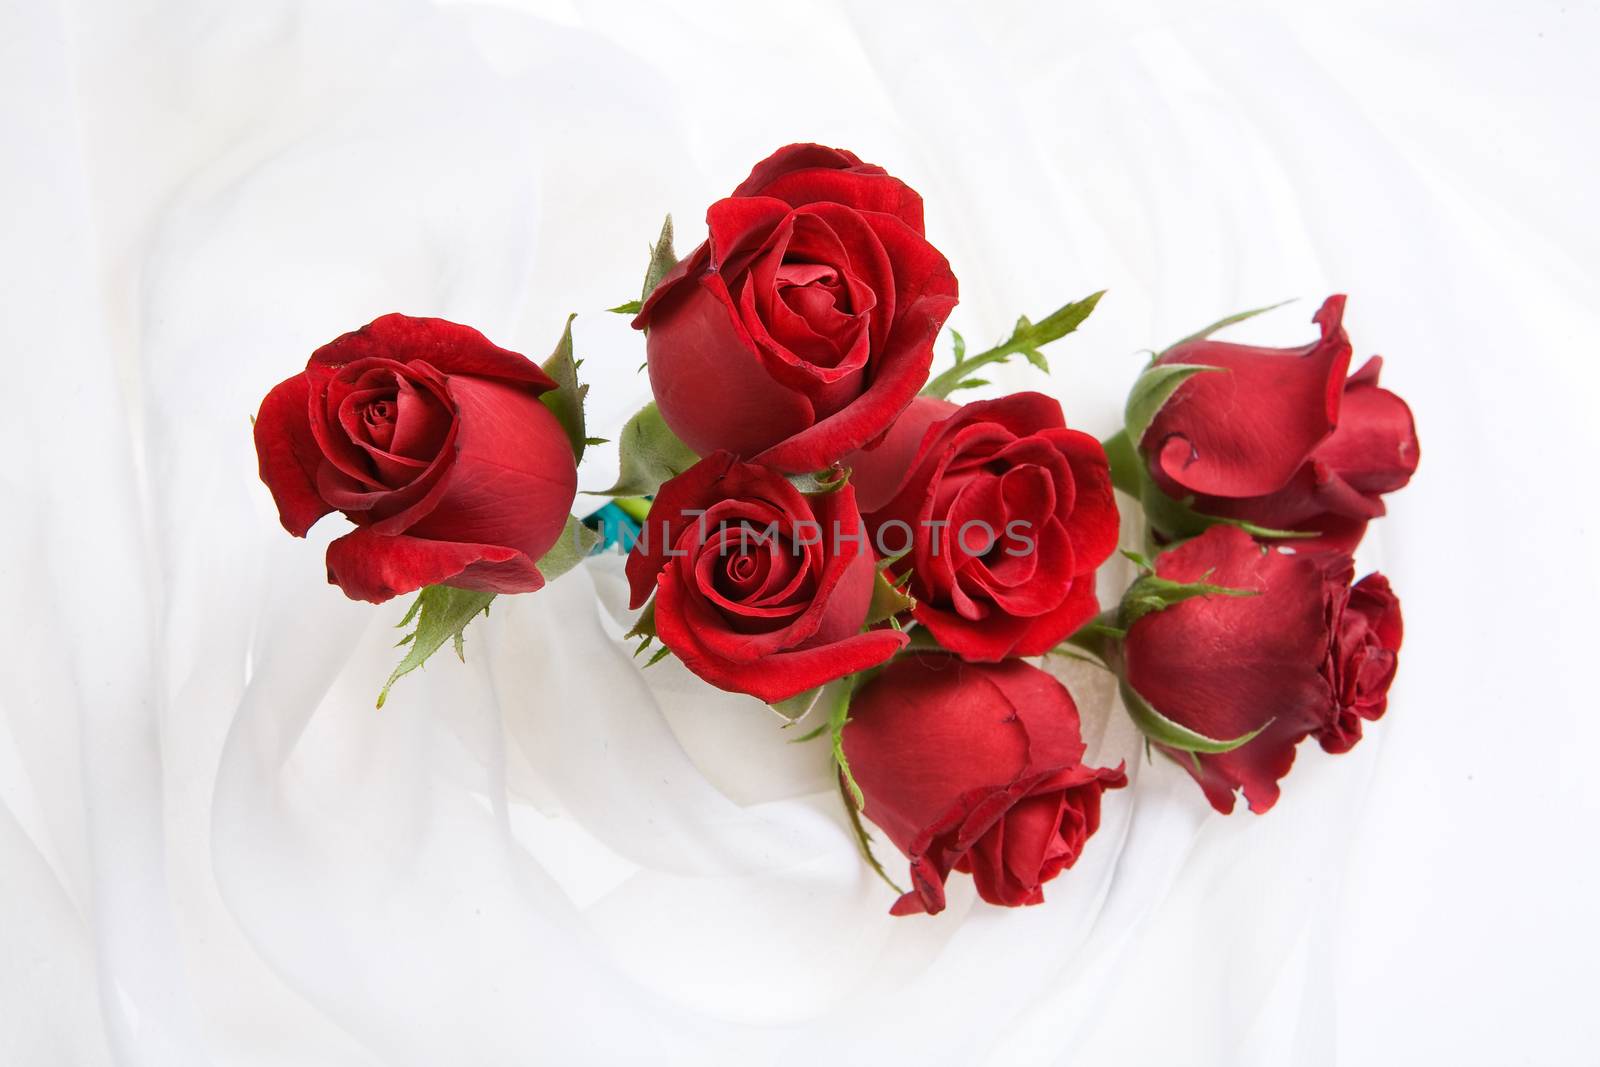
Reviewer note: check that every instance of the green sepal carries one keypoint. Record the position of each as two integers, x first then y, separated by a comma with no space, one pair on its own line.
1163,731
795,708
627,307
820,483
958,344
888,601
1179,521
441,613
662,260
1152,593
1227,320
565,401
1151,391
650,454
574,545
645,625
1027,337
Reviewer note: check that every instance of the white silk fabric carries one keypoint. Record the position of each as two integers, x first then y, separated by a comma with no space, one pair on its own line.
214,850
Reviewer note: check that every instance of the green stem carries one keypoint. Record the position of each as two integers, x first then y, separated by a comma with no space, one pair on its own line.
945,383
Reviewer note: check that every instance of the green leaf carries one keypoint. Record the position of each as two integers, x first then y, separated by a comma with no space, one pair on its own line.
629,307
571,548
864,839
1163,731
441,612
1229,320
650,454
565,401
597,440
1151,593
958,342
1151,391
887,601
1027,337
662,260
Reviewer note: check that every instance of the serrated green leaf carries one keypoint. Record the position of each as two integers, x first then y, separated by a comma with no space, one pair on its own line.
1027,337
887,600
630,307
441,613
1151,391
571,548
650,454
864,839
1060,322
1163,731
565,401
1228,320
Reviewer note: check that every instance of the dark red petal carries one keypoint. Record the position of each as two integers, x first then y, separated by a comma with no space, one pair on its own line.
708,381
375,567
514,477
448,346
925,293
1244,430
878,470
806,173
289,457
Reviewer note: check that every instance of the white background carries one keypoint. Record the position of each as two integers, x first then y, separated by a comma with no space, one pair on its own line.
214,850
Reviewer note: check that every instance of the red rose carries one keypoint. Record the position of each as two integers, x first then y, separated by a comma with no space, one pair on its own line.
805,323
434,443
1308,655
976,768
759,588
1280,438
1006,514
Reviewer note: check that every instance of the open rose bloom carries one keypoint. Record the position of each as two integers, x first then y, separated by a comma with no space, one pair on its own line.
435,444
999,513
759,588
805,323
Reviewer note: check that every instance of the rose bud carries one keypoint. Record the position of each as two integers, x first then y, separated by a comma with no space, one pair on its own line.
1000,514
805,323
435,444
759,588
1305,655
1279,438
976,768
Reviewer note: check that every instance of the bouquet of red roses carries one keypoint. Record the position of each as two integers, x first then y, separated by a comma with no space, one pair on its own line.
812,520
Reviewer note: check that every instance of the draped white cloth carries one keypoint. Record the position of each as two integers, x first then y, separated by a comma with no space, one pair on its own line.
214,850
